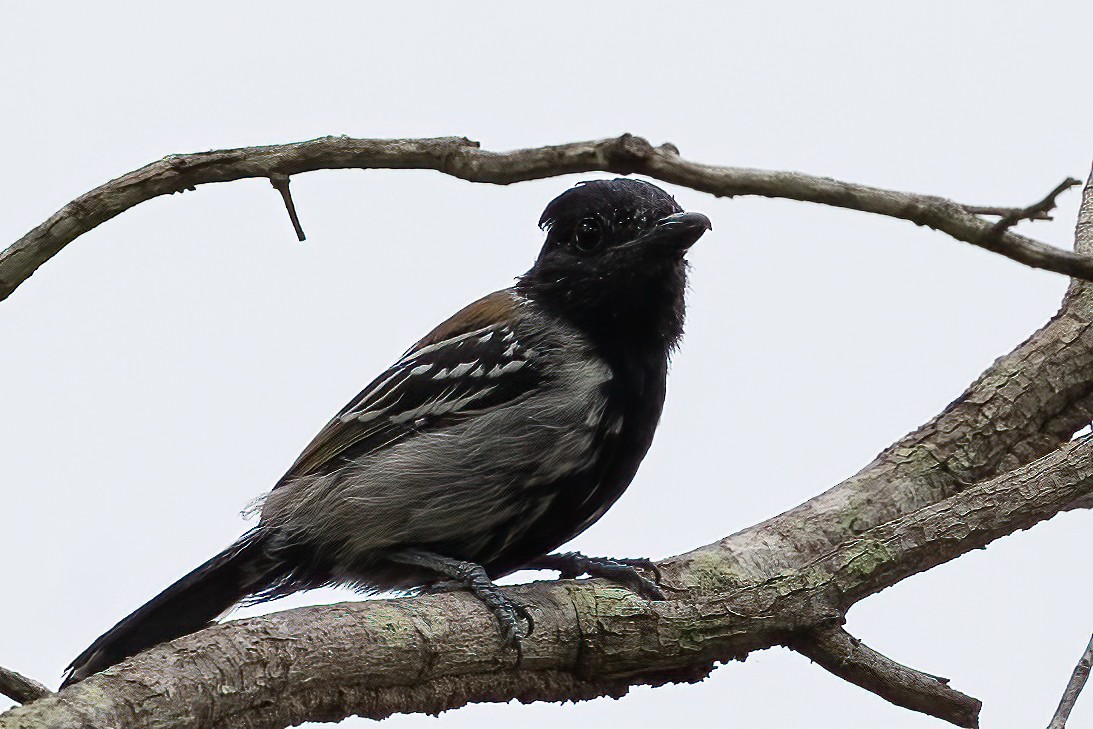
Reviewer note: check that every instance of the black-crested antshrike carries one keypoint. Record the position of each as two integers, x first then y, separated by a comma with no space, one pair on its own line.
498,437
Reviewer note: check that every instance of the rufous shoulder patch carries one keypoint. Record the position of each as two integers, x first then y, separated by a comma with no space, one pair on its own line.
496,308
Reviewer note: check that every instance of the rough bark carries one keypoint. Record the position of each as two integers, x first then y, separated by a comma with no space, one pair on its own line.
591,639
996,460
20,688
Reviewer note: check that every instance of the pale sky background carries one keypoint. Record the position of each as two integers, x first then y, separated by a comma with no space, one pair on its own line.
165,369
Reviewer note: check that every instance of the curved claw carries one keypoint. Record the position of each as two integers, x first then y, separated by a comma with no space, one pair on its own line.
524,613
507,614
508,622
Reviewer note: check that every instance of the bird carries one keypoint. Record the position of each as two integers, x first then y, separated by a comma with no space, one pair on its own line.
494,440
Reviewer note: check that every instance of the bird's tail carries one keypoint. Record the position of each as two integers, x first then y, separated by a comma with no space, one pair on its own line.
185,607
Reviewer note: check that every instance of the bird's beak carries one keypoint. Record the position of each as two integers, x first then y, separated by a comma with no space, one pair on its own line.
677,232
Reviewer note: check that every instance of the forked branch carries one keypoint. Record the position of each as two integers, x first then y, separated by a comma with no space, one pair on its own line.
998,459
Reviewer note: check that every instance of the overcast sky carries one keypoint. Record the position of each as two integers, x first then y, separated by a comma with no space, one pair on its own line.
166,368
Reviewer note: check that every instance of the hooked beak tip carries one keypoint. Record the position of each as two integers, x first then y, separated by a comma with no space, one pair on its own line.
686,228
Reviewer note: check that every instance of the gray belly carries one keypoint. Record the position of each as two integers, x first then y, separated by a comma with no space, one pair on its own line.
458,483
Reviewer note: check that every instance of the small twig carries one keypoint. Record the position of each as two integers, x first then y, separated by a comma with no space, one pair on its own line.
848,658
1037,211
20,688
1073,688
280,182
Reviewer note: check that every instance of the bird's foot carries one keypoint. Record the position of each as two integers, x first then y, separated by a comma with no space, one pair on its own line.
473,577
623,571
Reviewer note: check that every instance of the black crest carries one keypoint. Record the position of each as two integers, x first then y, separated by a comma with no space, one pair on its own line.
613,262
624,207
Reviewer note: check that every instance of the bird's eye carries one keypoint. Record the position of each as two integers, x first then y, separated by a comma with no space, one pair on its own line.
587,235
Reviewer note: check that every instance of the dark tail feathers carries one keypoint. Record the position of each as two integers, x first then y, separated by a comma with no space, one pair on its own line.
185,607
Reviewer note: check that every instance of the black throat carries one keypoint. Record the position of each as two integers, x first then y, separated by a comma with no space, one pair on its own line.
629,322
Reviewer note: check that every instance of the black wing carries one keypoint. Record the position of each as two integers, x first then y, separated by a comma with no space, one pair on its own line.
456,372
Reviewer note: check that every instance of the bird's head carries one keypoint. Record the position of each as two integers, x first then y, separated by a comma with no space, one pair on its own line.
613,261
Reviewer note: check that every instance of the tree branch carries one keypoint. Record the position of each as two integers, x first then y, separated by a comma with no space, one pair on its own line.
441,651
1025,405
464,159
1073,689
1037,211
20,688
994,461
850,659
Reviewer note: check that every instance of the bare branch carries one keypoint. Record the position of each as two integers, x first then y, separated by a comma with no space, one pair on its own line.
462,158
1037,211
20,688
1073,689
850,659
280,182
962,480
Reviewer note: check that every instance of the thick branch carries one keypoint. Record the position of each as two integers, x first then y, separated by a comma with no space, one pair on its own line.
441,651
795,573
850,659
463,158
20,688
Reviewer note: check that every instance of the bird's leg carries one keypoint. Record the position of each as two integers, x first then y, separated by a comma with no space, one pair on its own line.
623,571
473,577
